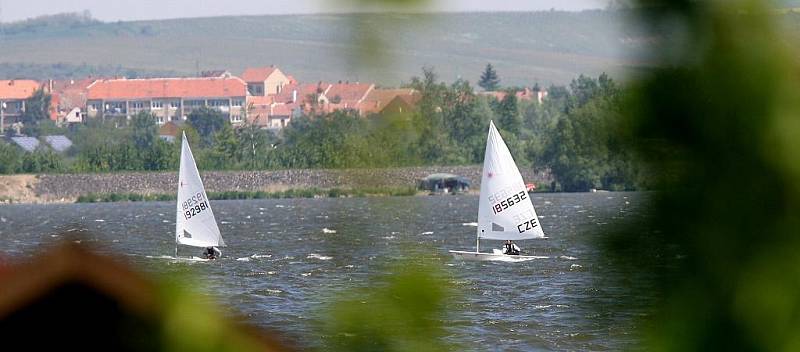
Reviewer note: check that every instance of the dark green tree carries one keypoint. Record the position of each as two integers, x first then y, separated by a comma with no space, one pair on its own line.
144,130
489,80
207,121
508,117
37,108
226,151
436,146
41,160
256,144
10,158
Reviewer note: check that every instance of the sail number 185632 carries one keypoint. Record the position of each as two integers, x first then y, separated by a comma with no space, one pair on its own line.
508,202
194,205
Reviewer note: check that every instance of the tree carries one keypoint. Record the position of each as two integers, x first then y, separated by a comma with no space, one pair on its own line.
207,121
144,130
37,108
255,143
508,113
10,158
489,79
227,150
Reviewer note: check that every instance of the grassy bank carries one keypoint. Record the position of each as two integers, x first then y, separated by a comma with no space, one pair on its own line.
290,193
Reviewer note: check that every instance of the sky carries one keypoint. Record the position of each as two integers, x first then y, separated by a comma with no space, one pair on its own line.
127,10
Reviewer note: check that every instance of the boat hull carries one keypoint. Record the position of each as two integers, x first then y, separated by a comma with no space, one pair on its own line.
481,256
180,259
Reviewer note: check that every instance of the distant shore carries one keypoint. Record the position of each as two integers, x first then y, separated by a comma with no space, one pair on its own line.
143,186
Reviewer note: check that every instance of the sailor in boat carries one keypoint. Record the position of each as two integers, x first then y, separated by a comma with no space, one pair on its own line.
510,248
212,253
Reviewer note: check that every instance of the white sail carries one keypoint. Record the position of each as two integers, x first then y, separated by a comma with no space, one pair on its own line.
505,211
194,224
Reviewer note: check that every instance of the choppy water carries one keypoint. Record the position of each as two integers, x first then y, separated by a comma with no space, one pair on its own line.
284,257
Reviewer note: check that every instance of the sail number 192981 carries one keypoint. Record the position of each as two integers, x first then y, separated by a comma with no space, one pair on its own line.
508,202
194,205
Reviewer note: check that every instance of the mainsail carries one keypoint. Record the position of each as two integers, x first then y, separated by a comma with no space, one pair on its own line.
505,211
194,224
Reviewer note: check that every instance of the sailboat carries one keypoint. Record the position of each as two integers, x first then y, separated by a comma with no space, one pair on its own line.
505,211
195,224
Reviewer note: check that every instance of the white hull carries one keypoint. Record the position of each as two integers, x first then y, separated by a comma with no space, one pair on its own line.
180,259
481,256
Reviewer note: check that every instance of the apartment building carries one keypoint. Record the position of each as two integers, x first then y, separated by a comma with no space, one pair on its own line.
263,81
168,99
12,99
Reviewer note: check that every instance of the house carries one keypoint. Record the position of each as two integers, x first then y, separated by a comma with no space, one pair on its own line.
307,93
263,81
169,130
67,96
389,101
401,104
13,94
346,96
73,116
265,112
216,74
525,94
70,296
168,99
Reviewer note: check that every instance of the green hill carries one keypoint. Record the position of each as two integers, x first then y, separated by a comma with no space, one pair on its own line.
545,47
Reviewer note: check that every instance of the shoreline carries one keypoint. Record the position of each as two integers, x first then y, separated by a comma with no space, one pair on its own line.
68,188
242,195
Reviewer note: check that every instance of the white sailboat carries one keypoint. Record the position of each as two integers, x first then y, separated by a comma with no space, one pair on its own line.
195,224
505,210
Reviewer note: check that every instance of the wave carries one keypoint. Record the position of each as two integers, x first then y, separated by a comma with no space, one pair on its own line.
318,256
327,230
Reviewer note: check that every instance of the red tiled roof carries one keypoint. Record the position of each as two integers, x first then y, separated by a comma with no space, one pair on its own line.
71,93
377,99
525,94
303,91
169,129
257,74
495,94
71,84
167,88
258,100
282,109
260,114
350,93
17,88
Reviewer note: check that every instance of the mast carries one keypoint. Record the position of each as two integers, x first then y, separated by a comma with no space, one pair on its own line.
478,243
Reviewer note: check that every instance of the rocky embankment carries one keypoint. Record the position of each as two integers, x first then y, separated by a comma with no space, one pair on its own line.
48,188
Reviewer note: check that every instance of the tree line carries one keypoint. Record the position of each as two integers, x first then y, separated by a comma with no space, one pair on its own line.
574,133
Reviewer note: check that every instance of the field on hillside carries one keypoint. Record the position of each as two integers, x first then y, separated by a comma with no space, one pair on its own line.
544,47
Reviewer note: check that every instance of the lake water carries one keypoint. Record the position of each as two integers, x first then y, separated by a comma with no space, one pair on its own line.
284,261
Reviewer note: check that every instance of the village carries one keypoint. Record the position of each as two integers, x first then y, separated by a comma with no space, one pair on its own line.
265,97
